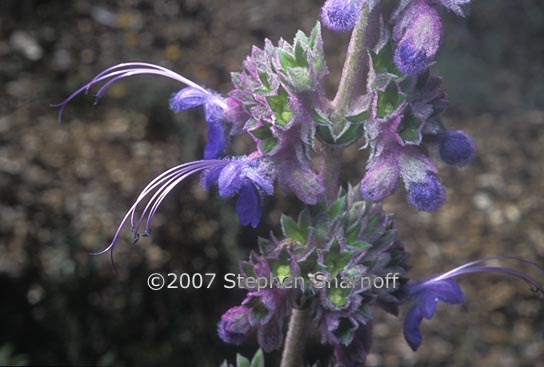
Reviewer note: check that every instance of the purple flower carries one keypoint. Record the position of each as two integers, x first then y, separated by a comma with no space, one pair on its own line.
425,295
121,71
190,97
249,204
214,113
391,161
217,141
428,195
409,59
234,326
246,177
341,15
456,147
418,37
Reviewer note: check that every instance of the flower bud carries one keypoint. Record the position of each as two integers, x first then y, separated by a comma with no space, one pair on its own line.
341,15
456,148
428,195
380,179
419,32
234,325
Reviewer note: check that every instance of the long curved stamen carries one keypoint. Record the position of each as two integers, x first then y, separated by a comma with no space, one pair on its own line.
159,195
535,285
172,177
118,72
471,267
174,75
184,173
458,270
160,179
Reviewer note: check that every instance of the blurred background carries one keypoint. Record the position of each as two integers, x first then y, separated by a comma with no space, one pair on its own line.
64,189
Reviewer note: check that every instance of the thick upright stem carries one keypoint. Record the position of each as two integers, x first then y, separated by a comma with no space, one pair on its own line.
351,85
330,170
296,336
353,77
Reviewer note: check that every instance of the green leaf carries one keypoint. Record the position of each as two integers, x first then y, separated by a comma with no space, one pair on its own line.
324,133
383,62
250,123
353,231
281,271
299,78
279,104
372,223
360,117
408,128
242,361
301,37
286,60
320,119
258,310
316,31
258,359
304,222
264,79
268,144
290,229
388,100
262,132
361,245
335,259
351,134
338,296
235,77
281,267
300,56
336,208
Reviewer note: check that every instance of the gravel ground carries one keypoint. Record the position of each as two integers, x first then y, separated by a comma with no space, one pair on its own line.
63,189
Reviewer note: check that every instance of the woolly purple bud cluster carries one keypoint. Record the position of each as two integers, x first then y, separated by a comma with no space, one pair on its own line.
404,127
328,264
272,102
341,15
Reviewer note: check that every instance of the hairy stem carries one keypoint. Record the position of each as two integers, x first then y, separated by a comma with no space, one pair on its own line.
296,336
331,158
352,81
353,77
